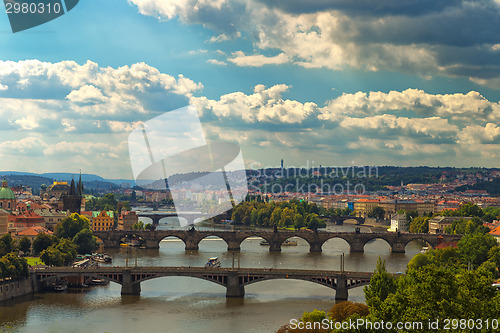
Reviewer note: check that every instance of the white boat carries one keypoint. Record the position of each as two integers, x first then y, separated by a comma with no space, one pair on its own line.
264,242
289,242
213,262
424,249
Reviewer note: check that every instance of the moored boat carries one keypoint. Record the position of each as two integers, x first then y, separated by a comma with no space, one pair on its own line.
213,262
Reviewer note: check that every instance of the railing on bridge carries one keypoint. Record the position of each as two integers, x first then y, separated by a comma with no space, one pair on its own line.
234,280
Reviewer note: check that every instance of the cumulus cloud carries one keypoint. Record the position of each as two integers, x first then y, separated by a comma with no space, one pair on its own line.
453,38
257,60
32,146
265,105
468,107
216,62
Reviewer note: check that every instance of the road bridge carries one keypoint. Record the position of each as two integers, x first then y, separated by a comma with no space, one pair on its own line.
233,239
234,279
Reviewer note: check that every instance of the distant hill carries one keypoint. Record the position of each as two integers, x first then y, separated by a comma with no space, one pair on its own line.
492,187
92,183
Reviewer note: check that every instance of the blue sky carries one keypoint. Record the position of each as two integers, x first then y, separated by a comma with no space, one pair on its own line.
334,82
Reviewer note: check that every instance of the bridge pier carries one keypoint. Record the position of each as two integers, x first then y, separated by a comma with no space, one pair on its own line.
152,244
233,245
398,248
191,245
315,247
234,288
341,293
129,287
357,246
275,246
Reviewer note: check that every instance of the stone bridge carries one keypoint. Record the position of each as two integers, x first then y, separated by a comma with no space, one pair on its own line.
156,216
233,239
340,219
234,280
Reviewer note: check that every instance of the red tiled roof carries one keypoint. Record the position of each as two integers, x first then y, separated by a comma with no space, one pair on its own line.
33,231
495,231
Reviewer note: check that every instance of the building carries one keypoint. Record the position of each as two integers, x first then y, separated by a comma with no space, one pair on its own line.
4,221
32,232
65,197
127,220
496,233
24,220
7,197
102,221
399,223
51,216
438,224
363,206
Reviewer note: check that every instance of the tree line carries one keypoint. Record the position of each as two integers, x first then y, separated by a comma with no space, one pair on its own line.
291,214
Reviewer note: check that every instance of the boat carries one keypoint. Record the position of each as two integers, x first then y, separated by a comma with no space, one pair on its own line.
213,262
99,282
289,242
424,249
60,285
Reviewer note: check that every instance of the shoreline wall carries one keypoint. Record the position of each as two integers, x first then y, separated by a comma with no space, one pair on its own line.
16,288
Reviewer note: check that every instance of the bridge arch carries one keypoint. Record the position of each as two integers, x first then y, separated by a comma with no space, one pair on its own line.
342,241
211,278
375,237
213,237
418,238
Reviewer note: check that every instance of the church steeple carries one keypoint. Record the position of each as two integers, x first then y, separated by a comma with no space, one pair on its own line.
72,188
80,185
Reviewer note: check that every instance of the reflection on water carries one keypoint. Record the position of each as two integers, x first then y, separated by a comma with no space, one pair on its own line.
188,304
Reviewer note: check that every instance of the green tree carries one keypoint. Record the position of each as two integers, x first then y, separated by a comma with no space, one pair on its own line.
43,241
138,226
85,241
418,261
475,247
381,285
313,222
470,209
420,225
377,212
12,266
343,310
52,257
7,244
25,245
71,225
68,250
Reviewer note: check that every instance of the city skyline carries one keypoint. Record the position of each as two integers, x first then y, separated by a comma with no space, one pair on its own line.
330,82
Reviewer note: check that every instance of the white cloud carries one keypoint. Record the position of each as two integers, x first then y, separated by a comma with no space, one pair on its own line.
467,107
3,87
264,105
257,60
431,38
27,146
216,62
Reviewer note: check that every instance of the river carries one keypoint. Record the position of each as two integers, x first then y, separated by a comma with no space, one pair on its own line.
183,304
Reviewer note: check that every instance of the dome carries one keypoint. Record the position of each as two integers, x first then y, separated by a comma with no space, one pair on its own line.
5,192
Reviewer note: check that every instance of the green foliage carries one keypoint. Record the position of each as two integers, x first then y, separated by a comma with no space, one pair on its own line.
14,267
52,257
475,247
492,187
418,261
491,213
62,253
43,241
24,245
381,285
343,310
138,226
294,213
85,241
7,244
377,212
313,316
71,225
463,227
420,225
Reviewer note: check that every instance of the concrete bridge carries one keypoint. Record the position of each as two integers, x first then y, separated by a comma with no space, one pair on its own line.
233,239
233,279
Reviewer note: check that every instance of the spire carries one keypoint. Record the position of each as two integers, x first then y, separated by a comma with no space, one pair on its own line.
4,182
80,185
72,189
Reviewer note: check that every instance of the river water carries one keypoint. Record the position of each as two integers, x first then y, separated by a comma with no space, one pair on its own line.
183,304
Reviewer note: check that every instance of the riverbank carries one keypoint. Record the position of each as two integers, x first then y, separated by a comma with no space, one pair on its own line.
11,289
